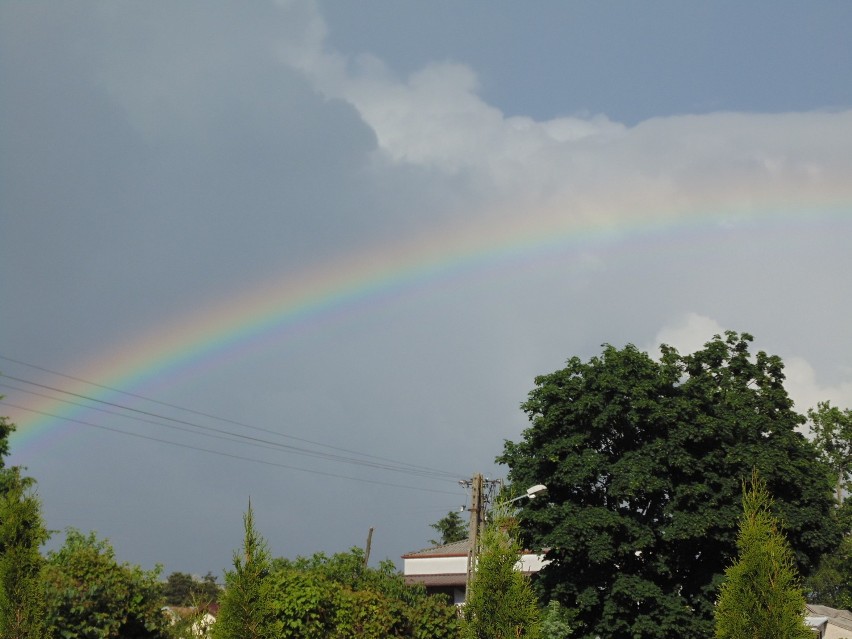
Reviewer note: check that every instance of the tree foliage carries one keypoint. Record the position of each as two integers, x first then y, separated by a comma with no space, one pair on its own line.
244,611
761,597
643,461
831,583
832,430
500,602
91,596
341,597
6,429
178,589
22,597
22,533
182,589
336,597
451,528
557,621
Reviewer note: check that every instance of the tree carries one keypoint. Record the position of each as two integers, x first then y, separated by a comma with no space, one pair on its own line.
245,608
341,597
643,461
831,585
500,602
451,527
303,605
22,532
434,617
90,595
178,589
22,596
557,621
6,429
832,430
182,589
761,597
206,592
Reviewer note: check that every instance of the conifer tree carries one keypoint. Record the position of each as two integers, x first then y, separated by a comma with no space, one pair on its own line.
761,597
451,527
244,610
500,602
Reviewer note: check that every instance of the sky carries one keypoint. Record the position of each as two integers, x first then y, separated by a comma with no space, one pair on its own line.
314,254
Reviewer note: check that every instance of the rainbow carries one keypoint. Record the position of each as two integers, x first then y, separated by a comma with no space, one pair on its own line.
283,307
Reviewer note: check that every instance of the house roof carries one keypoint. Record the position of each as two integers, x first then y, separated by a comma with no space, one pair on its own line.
455,549
839,618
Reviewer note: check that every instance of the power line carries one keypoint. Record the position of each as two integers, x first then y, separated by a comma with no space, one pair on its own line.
414,467
390,465
223,454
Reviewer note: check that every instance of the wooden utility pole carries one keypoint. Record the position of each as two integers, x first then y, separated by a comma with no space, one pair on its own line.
369,546
476,512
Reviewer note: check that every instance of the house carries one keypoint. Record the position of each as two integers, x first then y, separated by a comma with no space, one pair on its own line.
443,569
201,619
829,623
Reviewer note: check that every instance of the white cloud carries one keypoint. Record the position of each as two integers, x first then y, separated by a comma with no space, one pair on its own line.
691,331
435,118
687,333
806,390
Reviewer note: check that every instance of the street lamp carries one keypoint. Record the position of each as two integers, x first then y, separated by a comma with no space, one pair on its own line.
532,492
476,518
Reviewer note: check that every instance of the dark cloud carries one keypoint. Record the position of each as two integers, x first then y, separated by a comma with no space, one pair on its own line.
157,159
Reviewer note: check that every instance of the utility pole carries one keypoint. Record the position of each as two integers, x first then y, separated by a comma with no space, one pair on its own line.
480,496
476,512
369,545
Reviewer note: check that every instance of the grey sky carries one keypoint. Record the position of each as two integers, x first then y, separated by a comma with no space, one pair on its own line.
662,173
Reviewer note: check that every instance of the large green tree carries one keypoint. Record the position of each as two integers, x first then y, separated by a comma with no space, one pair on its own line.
761,597
643,461
91,596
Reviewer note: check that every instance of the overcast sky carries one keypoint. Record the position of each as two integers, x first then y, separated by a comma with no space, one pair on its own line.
324,248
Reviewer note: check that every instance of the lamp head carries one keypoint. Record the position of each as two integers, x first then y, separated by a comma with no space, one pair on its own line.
538,489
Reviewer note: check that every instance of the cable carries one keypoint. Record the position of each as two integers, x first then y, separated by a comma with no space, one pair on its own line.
222,454
203,414
264,443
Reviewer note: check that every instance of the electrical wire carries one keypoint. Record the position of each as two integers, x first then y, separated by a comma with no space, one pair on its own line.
414,467
224,454
208,431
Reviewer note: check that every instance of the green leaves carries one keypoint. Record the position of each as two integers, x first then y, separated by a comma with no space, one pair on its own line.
500,602
645,455
339,597
451,527
761,597
321,597
832,430
90,595
245,605
22,602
